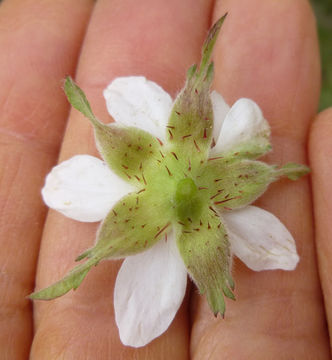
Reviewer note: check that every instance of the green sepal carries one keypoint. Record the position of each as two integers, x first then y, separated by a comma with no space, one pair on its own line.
233,184
191,71
204,247
78,100
191,120
71,281
189,129
293,171
127,150
134,224
253,149
209,45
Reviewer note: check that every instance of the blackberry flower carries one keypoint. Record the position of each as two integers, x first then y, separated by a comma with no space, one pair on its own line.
173,192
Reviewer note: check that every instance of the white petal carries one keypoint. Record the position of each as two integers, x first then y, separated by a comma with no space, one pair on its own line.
136,101
244,122
260,240
83,188
220,110
148,292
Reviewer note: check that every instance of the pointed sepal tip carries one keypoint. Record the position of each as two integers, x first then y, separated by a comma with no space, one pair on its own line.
293,171
209,43
78,100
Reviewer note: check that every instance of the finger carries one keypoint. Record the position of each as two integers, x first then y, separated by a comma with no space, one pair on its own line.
124,38
320,151
268,52
39,43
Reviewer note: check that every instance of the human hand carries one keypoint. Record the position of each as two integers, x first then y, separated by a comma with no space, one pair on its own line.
267,52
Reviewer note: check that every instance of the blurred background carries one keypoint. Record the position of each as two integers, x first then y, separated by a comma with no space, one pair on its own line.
323,10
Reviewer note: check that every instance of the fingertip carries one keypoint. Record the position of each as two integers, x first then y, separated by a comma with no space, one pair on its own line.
320,151
320,144
324,118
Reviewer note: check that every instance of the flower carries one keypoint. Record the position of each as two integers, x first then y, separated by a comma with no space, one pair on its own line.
174,193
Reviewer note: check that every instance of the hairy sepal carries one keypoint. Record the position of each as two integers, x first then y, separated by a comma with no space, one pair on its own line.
233,183
128,151
78,100
204,248
135,223
191,121
209,44
71,281
293,171
252,149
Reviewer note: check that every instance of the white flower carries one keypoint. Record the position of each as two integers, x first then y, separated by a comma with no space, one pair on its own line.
151,285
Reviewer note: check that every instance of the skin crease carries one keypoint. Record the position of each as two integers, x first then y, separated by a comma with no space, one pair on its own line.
36,51
320,151
266,51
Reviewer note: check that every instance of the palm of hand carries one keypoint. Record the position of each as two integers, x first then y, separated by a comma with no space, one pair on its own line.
266,52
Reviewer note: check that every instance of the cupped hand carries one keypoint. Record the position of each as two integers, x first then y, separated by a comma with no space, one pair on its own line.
266,51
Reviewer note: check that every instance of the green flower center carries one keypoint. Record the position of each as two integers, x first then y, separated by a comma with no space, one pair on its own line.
187,200
186,189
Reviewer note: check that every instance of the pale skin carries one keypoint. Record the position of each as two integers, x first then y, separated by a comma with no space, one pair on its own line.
267,51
